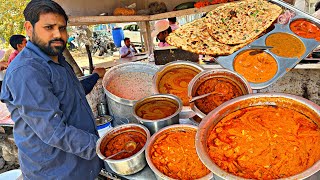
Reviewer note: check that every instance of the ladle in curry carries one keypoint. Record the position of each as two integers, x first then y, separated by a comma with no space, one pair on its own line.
128,147
204,95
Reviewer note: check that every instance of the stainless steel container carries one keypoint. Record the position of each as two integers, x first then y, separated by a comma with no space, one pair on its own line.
156,125
121,109
177,127
132,164
215,73
186,111
296,103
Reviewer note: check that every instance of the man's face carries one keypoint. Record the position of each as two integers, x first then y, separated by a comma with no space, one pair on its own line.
49,33
127,42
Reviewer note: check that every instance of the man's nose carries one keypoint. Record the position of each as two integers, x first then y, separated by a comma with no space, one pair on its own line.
56,33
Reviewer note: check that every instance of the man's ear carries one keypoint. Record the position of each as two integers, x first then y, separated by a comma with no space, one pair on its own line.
29,28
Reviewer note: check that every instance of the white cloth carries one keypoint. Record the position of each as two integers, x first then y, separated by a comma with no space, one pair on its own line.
317,14
124,50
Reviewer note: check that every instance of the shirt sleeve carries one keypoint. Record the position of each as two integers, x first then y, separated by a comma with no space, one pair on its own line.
89,81
123,51
31,92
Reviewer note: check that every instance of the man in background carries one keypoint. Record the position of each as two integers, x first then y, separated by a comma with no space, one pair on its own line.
17,42
128,49
161,30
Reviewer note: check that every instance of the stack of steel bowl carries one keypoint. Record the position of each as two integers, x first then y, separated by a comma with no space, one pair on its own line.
305,107
167,71
152,111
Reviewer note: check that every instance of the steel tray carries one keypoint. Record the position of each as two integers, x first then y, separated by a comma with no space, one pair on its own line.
284,64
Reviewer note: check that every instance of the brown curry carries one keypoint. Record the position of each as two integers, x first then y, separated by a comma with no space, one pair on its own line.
157,109
286,45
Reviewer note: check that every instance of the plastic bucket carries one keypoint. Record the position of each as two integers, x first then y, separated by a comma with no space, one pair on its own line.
118,36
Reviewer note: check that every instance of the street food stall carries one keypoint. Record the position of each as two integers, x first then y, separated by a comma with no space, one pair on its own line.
189,120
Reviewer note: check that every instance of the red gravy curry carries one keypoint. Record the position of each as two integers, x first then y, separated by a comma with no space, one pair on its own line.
305,29
117,144
174,154
286,45
226,88
264,142
157,109
176,82
256,66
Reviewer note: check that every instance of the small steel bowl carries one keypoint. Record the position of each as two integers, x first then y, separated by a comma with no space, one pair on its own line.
296,103
215,73
126,166
186,111
156,125
177,127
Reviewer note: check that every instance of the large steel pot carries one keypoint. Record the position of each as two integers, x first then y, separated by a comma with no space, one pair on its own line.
120,108
186,111
177,127
156,125
297,103
132,164
215,73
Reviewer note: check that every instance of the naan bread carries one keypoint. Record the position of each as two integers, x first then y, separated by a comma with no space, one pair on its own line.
195,38
240,22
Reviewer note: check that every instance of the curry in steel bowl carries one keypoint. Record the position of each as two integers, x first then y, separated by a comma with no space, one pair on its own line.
262,136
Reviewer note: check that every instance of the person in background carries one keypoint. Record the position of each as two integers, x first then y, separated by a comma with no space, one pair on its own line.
161,30
317,10
18,42
54,130
173,23
128,49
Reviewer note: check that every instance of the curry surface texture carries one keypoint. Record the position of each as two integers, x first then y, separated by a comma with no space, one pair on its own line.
157,109
264,142
174,154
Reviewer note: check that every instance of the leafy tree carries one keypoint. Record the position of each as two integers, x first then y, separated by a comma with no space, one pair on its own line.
11,18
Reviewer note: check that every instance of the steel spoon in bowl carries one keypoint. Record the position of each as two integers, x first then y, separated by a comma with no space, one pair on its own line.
128,148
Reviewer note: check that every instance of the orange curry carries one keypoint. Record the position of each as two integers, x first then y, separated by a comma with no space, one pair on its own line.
157,109
174,154
305,29
286,45
265,142
117,144
176,82
226,89
256,66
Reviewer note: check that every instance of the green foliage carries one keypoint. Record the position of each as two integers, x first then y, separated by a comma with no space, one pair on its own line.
11,18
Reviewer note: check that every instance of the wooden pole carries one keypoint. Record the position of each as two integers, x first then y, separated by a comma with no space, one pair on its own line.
90,59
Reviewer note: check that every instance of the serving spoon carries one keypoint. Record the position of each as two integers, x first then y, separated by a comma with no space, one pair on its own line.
260,47
203,96
128,148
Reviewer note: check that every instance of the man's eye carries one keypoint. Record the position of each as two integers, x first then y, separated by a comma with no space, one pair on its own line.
48,27
63,28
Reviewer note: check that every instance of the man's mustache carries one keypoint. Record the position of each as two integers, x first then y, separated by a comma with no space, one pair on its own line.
57,40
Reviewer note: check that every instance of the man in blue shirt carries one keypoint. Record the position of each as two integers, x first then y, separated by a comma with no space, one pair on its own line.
54,130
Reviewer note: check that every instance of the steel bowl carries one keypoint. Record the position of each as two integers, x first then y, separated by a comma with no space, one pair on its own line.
156,125
177,127
214,73
126,166
186,111
120,108
297,103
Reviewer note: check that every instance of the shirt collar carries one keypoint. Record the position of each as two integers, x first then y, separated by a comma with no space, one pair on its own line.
40,53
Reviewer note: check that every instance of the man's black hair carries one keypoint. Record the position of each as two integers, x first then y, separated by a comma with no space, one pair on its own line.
126,39
317,6
15,40
173,19
37,7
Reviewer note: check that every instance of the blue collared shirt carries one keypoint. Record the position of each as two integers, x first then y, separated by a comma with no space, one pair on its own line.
54,129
